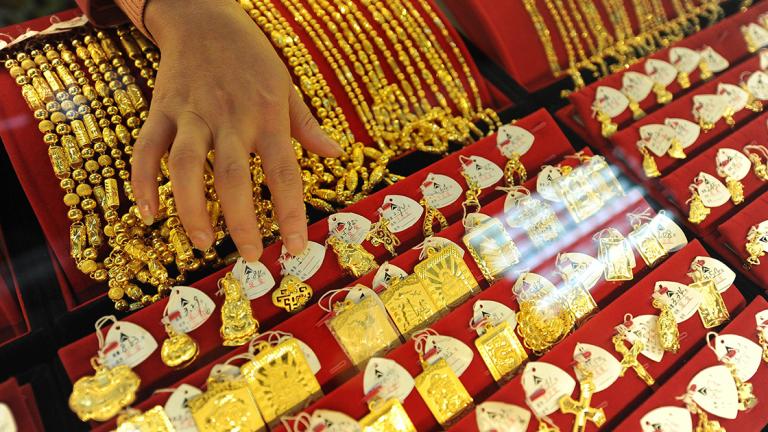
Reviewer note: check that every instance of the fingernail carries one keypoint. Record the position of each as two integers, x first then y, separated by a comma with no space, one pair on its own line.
201,239
335,145
250,252
146,213
295,244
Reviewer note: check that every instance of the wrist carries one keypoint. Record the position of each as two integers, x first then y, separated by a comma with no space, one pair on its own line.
168,20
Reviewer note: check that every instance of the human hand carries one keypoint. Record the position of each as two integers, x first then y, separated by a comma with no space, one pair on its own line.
221,85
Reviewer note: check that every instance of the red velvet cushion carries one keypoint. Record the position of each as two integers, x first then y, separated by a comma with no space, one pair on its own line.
734,234
14,396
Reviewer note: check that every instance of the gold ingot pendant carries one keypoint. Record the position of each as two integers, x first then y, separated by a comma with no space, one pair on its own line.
387,416
179,350
292,294
446,276
153,420
501,350
443,393
104,394
226,406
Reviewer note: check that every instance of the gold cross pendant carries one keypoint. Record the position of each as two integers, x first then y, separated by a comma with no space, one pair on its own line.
629,359
581,408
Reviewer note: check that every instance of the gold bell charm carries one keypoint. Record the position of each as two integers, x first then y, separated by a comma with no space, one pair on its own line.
238,325
649,163
663,96
607,127
697,212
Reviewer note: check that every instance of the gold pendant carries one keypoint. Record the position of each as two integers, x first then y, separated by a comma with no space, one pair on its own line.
684,80
387,416
152,420
669,334
577,190
104,394
292,294
501,350
580,302
443,392
754,247
712,309
237,322
446,276
581,408
763,342
728,116
410,305
697,211
629,359
706,72
543,318
179,350
431,214
536,217
363,330
650,168
607,126
676,149
736,189
515,169
280,379
758,167
352,257
492,248
471,196
704,424
663,96
226,405
637,112
380,235
616,255
747,398
647,244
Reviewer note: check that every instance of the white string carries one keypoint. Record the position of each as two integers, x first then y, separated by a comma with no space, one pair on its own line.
55,27
100,323
330,294
164,390
422,247
511,189
637,218
242,356
290,423
711,336
420,339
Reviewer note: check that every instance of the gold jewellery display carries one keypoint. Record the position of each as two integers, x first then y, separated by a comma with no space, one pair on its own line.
89,89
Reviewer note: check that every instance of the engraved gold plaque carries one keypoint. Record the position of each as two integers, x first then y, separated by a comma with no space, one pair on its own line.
387,416
226,406
446,276
492,248
712,309
363,330
501,350
152,420
280,380
443,393
647,244
410,305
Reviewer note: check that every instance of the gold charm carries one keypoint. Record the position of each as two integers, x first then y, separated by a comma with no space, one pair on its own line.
637,112
669,335
728,116
363,330
747,398
758,167
430,215
501,350
226,405
380,235
410,305
471,196
533,215
446,276
104,394
683,79
753,104
492,248
650,168
706,71
697,211
179,350
578,191
663,96
386,416
736,189
581,408
761,331
629,358
704,424
644,239
712,309
544,319
607,126
292,294
515,169
676,149
443,392
754,247
238,325
152,420
280,379
616,255
352,257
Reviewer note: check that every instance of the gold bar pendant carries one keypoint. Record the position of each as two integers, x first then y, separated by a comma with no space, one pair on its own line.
443,393
501,350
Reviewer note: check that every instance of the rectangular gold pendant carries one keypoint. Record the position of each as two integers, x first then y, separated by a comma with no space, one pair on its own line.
492,248
580,302
446,277
281,380
410,305
617,256
578,194
363,330
152,420
388,416
226,405
647,244
443,392
712,309
501,351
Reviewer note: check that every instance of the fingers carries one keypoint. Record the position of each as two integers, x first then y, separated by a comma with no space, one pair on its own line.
154,139
233,183
307,131
186,164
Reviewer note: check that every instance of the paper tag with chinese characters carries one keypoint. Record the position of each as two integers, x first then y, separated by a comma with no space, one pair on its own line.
455,352
610,101
495,416
603,365
716,62
745,354
7,422
757,35
306,264
712,191
127,344
710,108
401,212
194,308
715,392
482,171
684,59
493,313
332,421
669,234
386,274
580,267
255,278
758,85
357,293
682,299
715,270
737,97
440,190
660,71
439,243
657,138
392,380
545,183
732,163
513,140
544,385
636,85
349,227
645,329
667,419
761,321
763,59
177,409
686,131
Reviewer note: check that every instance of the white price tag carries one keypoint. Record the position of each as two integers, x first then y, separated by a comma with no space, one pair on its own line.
127,344
494,313
440,190
255,278
667,419
710,108
194,308
332,421
657,138
745,354
610,101
669,234
737,97
716,62
544,384
455,352
686,131
177,410
636,85
645,329
401,212
492,416
349,227
684,59
715,270
581,268
386,274
603,366
660,71
732,164
715,392
757,83
7,422
392,380
712,191
545,183
756,34
513,140
482,171
306,264
682,299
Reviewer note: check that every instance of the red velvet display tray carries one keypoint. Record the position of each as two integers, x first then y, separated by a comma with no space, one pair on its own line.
626,391
21,401
14,322
751,420
733,234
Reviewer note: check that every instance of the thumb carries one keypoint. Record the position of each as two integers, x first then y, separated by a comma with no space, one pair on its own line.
307,131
